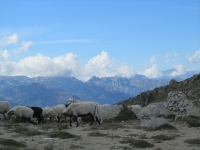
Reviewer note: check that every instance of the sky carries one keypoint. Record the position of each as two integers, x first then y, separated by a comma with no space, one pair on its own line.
102,38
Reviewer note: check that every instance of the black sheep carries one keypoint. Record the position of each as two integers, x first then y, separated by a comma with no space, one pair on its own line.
37,113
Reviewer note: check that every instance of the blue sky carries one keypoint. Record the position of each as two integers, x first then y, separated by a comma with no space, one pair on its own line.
101,38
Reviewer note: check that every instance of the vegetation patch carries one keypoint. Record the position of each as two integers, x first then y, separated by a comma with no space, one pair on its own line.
9,148
163,137
25,131
162,127
110,126
125,115
62,135
192,121
97,134
72,146
193,141
137,143
62,127
10,142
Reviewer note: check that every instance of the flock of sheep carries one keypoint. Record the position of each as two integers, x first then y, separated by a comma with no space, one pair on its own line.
74,109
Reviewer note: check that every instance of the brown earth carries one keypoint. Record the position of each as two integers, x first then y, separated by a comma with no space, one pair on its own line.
107,136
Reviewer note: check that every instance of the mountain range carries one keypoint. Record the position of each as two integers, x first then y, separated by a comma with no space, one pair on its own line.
50,91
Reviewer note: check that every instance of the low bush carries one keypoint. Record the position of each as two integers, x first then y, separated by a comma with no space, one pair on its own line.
163,137
10,142
125,115
97,134
137,143
193,141
192,121
62,135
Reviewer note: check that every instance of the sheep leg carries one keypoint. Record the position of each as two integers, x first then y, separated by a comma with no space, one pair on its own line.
58,118
70,121
92,120
97,120
4,115
39,119
76,121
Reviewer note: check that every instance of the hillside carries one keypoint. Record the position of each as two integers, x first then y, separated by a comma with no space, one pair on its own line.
190,87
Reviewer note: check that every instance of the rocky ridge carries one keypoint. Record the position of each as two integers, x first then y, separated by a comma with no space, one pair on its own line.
190,87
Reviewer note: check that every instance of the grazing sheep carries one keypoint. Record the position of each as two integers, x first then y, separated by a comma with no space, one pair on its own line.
21,112
82,110
37,113
56,112
4,107
72,100
44,112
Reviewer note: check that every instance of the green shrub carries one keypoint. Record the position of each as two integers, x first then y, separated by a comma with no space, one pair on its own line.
97,134
25,131
62,135
193,141
163,137
125,115
137,143
9,148
72,146
192,121
10,142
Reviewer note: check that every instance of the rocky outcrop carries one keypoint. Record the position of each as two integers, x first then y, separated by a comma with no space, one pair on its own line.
190,87
178,103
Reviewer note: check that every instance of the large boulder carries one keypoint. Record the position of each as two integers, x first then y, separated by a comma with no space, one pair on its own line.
153,110
154,123
110,111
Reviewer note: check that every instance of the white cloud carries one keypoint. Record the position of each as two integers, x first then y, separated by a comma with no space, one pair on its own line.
13,39
153,59
152,72
104,66
180,69
167,58
4,55
19,46
66,65
195,58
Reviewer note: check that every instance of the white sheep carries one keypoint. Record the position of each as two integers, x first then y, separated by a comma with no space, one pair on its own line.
4,107
56,112
21,112
44,112
82,110
72,100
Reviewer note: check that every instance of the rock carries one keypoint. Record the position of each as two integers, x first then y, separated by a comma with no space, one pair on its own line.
154,109
177,99
154,123
110,111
